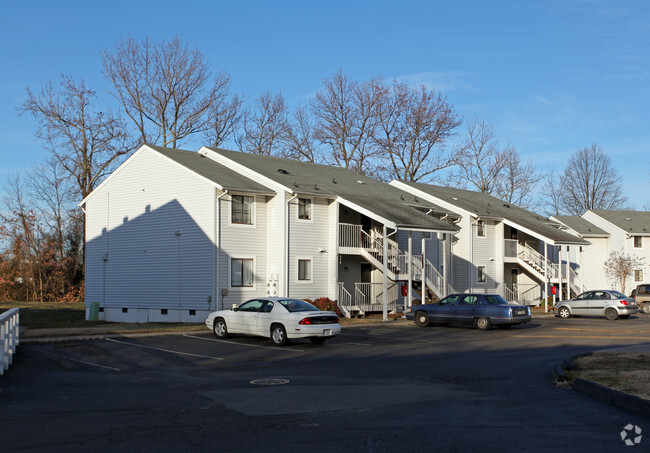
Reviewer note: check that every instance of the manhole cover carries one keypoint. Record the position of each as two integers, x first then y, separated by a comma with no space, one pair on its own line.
269,381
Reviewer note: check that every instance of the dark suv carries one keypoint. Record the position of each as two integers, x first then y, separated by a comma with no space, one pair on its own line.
642,295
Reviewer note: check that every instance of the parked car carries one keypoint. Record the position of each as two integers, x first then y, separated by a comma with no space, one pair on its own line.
277,318
481,310
608,303
642,296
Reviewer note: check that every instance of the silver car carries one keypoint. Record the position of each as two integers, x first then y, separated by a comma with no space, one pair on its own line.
603,302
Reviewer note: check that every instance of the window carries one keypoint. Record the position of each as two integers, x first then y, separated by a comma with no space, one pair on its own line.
241,272
480,228
304,270
638,275
638,242
304,208
242,209
481,274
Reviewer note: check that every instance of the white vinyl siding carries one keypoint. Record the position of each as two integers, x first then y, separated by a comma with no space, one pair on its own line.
310,240
150,233
243,242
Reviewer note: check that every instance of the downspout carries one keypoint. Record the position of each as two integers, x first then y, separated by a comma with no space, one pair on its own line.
287,238
218,242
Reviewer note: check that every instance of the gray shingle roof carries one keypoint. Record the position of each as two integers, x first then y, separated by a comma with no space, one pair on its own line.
486,206
582,226
636,223
211,170
306,178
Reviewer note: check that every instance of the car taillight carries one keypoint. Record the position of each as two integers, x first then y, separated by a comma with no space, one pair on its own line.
305,321
622,302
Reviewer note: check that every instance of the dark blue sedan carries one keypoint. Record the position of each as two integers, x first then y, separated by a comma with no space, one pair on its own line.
481,310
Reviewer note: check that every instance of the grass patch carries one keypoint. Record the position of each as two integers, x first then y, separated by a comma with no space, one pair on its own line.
71,315
50,315
626,372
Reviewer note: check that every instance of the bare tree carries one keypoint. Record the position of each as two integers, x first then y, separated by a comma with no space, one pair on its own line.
414,125
51,191
479,161
516,180
551,198
301,143
165,90
345,115
225,113
620,265
87,143
590,182
266,126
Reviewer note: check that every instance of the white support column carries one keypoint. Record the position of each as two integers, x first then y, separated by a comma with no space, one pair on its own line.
568,273
445,271
559,268
409,266
546,277
385,279
424,267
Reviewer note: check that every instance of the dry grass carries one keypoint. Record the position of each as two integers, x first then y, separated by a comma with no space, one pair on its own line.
626,372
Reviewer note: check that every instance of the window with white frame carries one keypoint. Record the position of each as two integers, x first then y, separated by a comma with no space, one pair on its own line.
242,209
638,275
241,272
304,270
480,277
304,209
480,228
638,242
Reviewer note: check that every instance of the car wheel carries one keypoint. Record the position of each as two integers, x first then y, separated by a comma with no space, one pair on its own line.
611,314
505,326
279,335
483,323
646,309
422,319
623,316
317,340
564,313
220,329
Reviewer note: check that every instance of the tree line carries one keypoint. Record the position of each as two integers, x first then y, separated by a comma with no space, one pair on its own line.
166,94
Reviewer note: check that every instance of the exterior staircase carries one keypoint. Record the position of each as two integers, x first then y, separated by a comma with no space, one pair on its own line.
353,240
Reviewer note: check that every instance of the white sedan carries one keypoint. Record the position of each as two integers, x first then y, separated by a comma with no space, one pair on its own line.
277,318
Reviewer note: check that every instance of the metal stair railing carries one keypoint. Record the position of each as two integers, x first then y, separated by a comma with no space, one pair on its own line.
536,261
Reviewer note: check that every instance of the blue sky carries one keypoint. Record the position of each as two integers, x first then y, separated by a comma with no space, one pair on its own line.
552,76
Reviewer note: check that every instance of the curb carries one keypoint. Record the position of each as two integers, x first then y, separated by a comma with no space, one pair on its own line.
622,400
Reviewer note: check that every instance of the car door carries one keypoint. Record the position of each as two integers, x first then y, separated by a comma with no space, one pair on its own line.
580,305
265,318
465,308
442,311
597,303
244,320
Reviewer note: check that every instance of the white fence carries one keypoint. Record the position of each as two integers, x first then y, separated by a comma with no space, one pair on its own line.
9,337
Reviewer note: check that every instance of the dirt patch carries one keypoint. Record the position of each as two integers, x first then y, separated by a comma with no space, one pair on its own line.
626,372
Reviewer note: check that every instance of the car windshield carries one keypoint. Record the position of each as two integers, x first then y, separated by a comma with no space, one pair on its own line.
496,300
294,305
618,295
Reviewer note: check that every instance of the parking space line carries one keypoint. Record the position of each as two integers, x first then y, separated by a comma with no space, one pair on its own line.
165,350
392,338
275,348
93,364
591,337
576,329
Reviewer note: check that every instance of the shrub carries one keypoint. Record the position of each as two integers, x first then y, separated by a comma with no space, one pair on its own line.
325,304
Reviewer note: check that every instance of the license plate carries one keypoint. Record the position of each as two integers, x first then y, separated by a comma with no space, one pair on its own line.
520,312
327,332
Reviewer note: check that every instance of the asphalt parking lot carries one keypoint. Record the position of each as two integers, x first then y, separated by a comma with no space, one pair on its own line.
393,387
